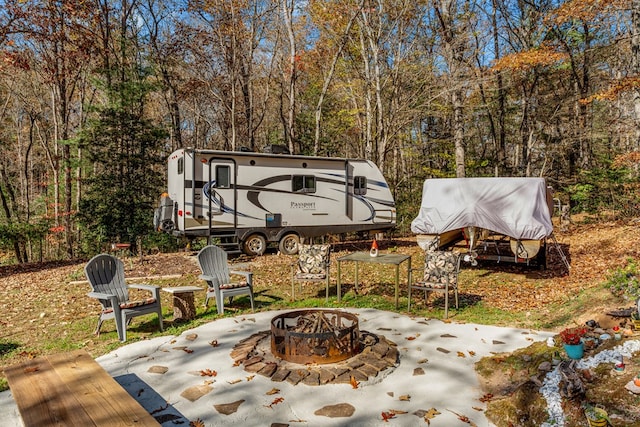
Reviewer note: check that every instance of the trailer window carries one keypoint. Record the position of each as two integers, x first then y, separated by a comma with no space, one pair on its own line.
223,177
303,183
180,165
360,185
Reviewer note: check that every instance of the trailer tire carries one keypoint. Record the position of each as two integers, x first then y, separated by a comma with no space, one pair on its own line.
289,244
254,245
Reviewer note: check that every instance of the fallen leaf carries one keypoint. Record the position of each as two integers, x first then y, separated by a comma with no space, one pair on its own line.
196,423
397,411
353,382
208,373
486,397
463,418
234,381
273,391
386,416
405,397
472,353
461,354
431,414
31,369
275,402
250,377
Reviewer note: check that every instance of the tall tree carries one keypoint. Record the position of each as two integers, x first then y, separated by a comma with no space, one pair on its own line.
290,74
453,24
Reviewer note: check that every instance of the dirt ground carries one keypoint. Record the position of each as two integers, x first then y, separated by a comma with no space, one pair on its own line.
39,298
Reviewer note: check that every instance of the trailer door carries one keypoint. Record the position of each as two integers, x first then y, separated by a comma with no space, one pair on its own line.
220,192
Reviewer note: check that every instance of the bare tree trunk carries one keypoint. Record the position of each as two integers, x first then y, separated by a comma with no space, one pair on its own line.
457,100
454,46
635,63
501,137
371,53
327,81
291,73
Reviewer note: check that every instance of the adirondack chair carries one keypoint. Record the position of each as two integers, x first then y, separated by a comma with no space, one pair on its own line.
105,274
215,271
312,266
440,274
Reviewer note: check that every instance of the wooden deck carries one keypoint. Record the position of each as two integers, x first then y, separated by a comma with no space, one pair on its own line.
72,389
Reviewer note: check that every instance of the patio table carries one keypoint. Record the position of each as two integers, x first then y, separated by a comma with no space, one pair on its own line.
365,257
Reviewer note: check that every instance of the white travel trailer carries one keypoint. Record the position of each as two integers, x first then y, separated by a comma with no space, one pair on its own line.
247,199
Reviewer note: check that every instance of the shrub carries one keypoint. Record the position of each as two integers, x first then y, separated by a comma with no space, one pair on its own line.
625,282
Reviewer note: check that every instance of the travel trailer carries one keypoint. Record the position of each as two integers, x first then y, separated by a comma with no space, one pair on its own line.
500,219
247,200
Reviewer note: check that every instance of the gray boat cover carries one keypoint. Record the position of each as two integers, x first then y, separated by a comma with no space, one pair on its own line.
516,207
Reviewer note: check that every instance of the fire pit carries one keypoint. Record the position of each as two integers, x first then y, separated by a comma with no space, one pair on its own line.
315,336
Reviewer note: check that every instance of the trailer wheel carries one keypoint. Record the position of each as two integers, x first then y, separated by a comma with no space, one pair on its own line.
255,244
289,244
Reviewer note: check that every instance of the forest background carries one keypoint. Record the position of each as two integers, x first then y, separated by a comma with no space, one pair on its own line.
95,94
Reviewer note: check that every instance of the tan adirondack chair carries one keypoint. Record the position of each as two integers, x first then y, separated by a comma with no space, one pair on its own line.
215,271
105,274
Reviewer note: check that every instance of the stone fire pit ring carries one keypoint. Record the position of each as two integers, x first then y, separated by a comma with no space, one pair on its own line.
315,336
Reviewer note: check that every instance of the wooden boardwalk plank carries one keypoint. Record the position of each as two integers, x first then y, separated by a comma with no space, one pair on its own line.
72,389
41,396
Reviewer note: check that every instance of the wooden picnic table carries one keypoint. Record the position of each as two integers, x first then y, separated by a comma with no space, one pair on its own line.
72,389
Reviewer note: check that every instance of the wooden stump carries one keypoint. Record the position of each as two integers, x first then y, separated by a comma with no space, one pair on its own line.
184,307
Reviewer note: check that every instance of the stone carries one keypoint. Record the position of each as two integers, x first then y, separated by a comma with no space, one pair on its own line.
545,367
296,376
632,387
448,336
158,369
326,376
392,355
255,367
251,361
380,348
341,410
312,379
344,378
359,375
355,363
196,392
280,375
269,369
368,370
228,408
